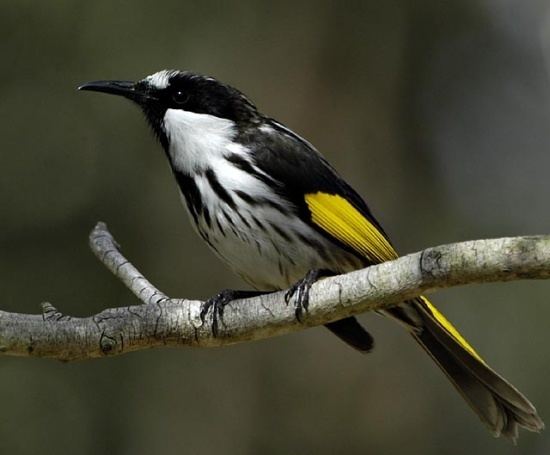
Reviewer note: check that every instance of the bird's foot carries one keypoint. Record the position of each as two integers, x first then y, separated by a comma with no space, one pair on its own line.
300,291
218,303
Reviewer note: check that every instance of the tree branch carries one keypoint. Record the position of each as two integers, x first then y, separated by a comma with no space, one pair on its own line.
164,321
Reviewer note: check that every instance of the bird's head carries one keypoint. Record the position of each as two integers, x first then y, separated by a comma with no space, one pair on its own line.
170,90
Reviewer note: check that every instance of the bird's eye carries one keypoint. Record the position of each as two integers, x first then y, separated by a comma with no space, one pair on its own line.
180,97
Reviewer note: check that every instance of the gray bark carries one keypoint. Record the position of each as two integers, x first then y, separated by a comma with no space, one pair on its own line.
164,321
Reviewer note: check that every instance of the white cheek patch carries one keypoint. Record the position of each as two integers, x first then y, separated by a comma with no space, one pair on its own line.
197,140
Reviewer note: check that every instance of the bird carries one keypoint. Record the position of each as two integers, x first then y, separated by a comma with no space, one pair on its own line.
280,216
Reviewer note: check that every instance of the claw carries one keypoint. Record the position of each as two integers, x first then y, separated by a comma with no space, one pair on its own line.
218,303
301,290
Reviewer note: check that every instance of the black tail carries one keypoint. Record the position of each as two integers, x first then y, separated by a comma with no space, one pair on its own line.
351,332
497,402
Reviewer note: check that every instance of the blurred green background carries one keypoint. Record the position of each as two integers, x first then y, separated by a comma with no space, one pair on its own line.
438,112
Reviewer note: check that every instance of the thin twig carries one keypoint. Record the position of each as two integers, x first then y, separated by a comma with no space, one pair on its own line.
163,321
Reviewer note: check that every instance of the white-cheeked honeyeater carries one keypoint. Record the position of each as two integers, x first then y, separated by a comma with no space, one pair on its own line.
278,214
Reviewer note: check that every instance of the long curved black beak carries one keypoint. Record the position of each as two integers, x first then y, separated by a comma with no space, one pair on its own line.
134,91
122,88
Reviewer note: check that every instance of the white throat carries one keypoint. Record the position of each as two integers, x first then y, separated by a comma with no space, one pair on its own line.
196,140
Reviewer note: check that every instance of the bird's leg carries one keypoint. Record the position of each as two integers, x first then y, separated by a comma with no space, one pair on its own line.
301,290
219,301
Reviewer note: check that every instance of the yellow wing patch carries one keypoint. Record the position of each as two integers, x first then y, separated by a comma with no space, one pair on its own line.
450,328
344,222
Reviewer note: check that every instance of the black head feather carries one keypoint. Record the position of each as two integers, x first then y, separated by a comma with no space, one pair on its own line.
172,89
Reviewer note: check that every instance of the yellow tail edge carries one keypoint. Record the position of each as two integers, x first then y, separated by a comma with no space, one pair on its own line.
450,329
